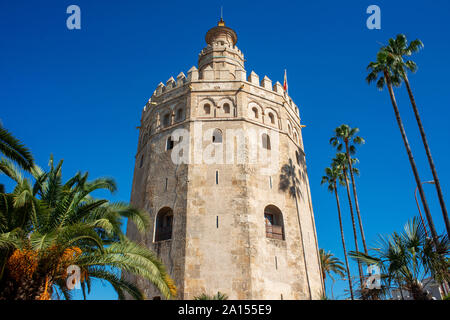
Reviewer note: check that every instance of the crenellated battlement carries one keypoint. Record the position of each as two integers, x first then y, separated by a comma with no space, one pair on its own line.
193,75
221,47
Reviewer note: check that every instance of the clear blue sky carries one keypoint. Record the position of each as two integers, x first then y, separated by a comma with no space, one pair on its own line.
79,93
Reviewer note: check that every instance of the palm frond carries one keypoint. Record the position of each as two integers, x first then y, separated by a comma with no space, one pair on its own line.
13,149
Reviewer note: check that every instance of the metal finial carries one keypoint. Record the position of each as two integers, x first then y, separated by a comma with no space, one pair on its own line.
221,22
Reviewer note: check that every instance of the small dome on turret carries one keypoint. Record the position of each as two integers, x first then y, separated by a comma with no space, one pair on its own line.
221,34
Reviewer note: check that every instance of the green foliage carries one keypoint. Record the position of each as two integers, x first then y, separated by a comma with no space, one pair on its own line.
333,176
391,61
398,50
340,163
13,149
217,296
330,264
345,135
406,258
53,218
381,71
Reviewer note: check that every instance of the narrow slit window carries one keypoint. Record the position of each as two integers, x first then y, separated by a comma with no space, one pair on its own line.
141,162
265,141
169,144
217,177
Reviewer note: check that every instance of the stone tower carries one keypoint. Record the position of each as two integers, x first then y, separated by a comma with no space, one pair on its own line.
218,158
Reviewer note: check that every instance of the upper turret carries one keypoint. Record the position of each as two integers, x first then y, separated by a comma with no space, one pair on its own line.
221,53
221,33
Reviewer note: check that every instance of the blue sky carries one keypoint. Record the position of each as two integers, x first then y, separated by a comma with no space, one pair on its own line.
79,93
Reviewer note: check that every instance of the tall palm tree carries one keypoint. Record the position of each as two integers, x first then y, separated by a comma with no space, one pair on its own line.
289,181
399,50
13,149
333,177
330,264
346,136
382,72
407,258
49,225
340,162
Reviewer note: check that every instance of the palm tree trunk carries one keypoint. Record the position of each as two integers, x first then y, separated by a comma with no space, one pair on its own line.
343,243
430,158
300,228
363,237
355,235
332,293
400,288
411,159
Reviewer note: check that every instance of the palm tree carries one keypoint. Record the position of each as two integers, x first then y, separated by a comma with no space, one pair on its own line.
399,49
330,264
405,259
289,181
332,177
383,73
47,226
218,296
346,136
13,149
340,163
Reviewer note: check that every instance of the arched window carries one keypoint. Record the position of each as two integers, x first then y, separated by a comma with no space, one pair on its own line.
274,222
169,143
207,109
295,137
255,112
272,118
289,129
166,120
226,108
297,156
180,114
217,136
163,227
265,141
